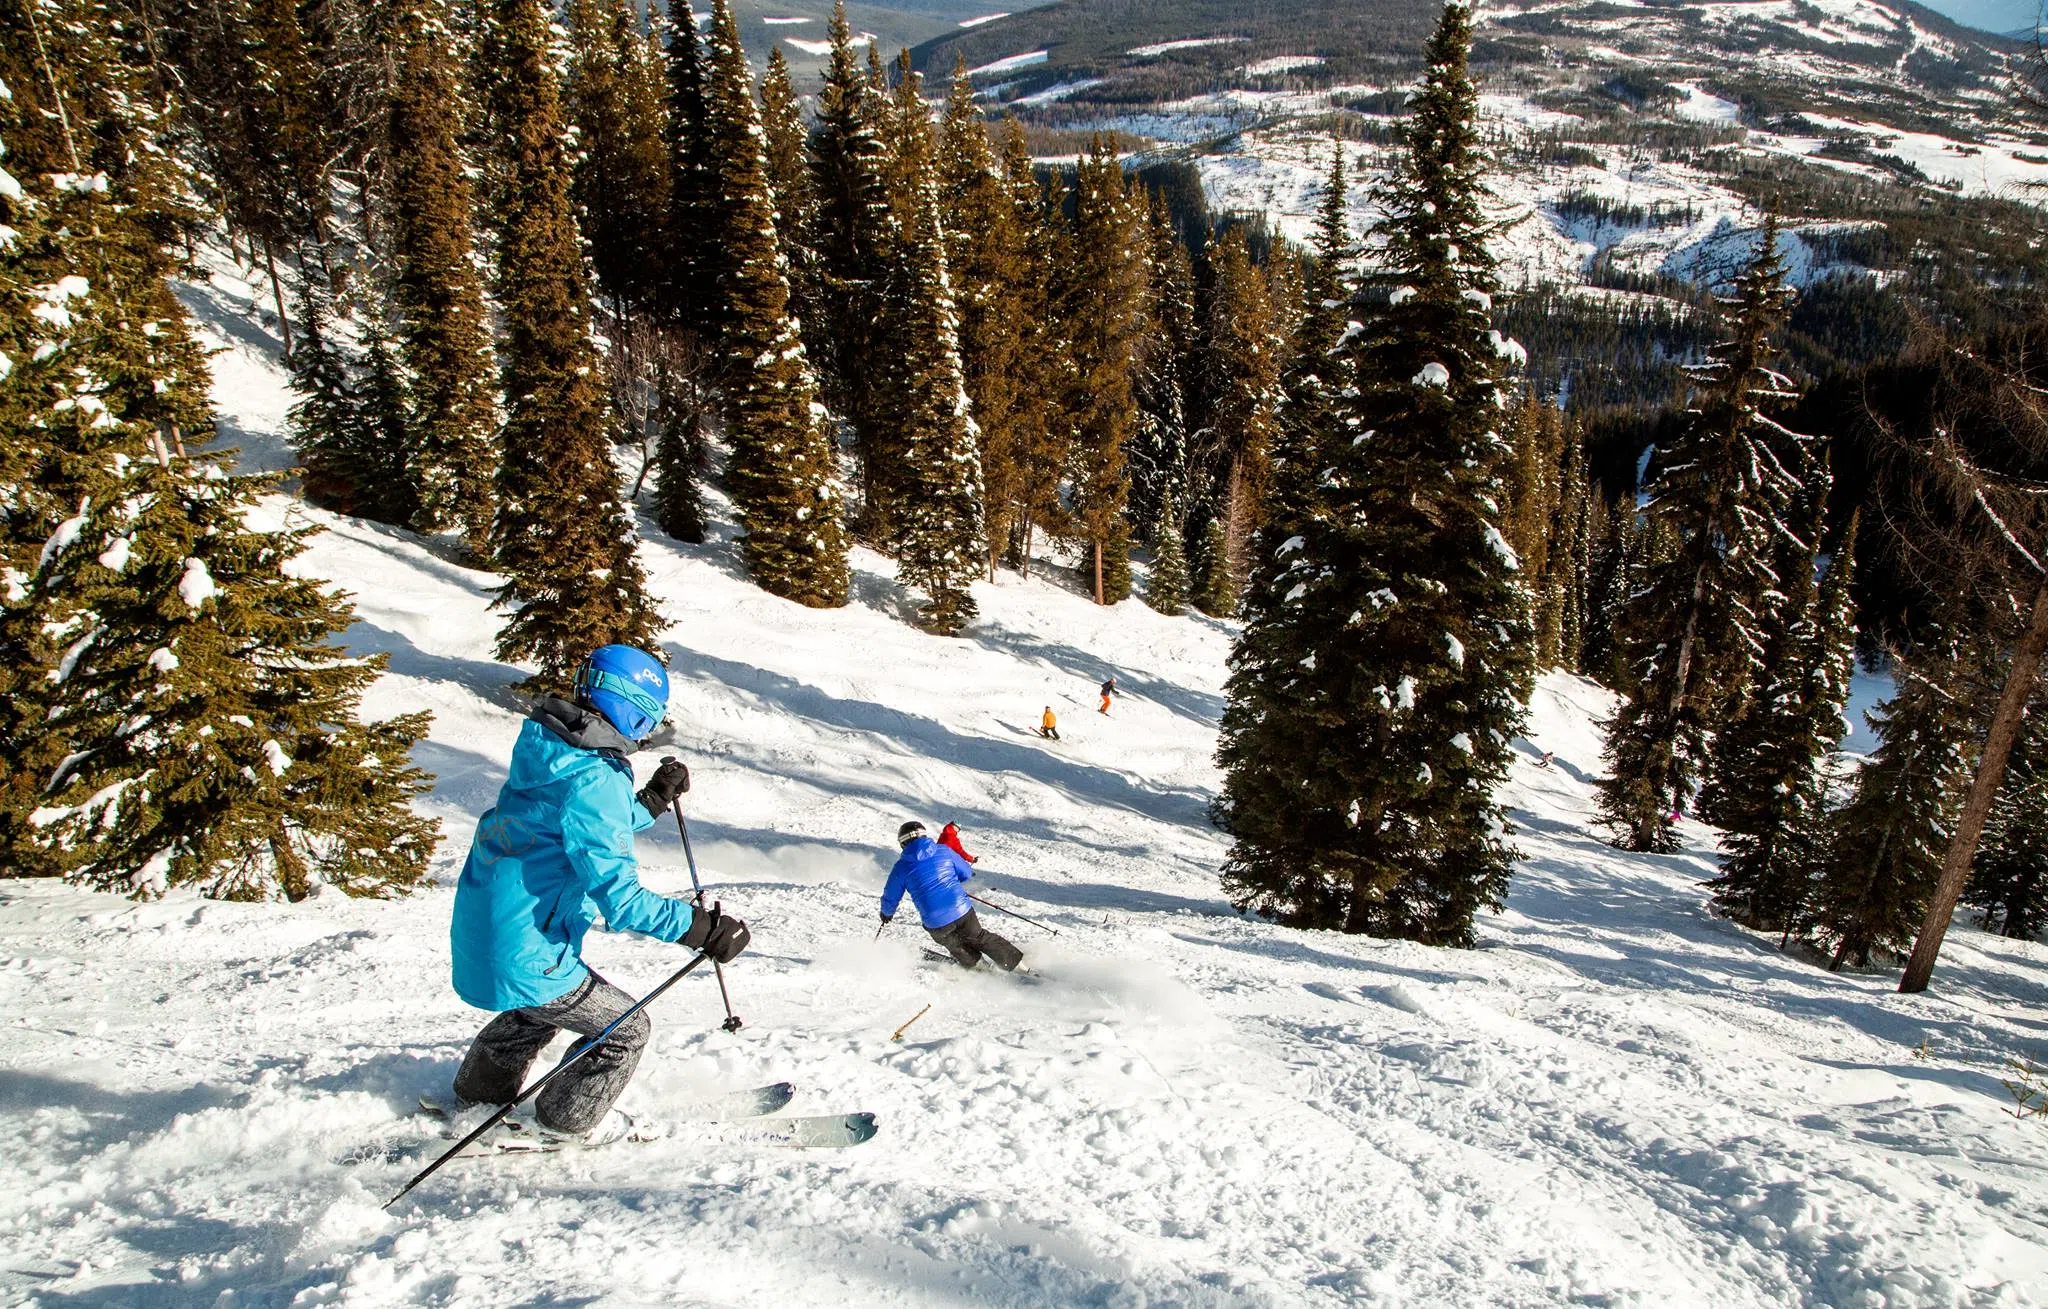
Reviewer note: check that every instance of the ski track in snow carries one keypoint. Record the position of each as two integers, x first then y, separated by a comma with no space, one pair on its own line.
1616,1100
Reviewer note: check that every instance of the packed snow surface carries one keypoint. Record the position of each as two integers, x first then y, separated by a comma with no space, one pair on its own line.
1010,63
1192,43
984,18
1617,1099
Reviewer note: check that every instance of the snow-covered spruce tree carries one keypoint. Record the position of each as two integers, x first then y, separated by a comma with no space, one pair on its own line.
1167,591
1885,846
1386,651
343,467
779,469
691,263
1213,591
1691,626
2009,877
172,707
1313,376
1561,595
1615,560
443,329
796,202
561,538
1767,779
1161,448
994,279
1102,299
1243,355
940,534
853,240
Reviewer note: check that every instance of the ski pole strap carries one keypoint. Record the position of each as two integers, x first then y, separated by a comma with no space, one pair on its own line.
576,1052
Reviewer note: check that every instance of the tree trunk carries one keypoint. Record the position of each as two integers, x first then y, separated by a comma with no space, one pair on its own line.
1998,743
284,324
1098,572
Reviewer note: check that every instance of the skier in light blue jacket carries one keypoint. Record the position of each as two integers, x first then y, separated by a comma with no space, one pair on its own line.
556,851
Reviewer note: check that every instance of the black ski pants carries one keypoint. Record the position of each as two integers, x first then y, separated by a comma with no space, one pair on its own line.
969,943
495,1067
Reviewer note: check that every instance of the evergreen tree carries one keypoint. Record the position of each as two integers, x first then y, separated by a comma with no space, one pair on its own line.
1163,446
172,705
789,177
1312,381
1610,580
779,470
1168,590
692,263
1886,845
995,287
561,539
1215,591
1561,594
2009,879
613,99
679,456
1767,786
443,333
1385,655
1102,296
1693,639
1242,346
853,241
1029,481
941,535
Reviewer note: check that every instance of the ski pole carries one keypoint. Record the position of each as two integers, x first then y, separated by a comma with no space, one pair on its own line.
1011,912
568,1061
732,1020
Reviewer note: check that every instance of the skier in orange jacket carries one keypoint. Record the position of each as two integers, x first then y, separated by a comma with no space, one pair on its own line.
1048,726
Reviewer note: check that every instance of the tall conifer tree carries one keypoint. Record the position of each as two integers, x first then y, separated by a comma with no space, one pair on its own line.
437,293
1103,290
691,264
994,286
1767,786
780,470
1692,635
2009,877
173,708
1385,656
940,535
1243,345
1039,443
1886,845
562,538
853,241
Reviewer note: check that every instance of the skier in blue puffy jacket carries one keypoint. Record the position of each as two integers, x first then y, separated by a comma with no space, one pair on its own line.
933,875
556,851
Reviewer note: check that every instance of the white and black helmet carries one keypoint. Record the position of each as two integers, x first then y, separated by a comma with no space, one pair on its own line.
909,832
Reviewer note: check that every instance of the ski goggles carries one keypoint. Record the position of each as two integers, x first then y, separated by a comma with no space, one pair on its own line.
592,679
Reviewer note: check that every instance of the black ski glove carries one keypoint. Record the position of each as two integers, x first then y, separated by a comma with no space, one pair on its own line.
888,918
669,781
717,934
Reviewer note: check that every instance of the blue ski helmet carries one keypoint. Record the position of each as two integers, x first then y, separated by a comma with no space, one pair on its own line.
627,685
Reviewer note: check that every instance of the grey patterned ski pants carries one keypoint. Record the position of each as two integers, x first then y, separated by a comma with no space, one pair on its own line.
495,1067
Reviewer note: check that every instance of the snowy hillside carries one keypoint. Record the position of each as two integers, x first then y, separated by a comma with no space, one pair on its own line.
1616,1100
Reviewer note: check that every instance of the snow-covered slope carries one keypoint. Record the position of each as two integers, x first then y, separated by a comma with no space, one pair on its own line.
1616,1100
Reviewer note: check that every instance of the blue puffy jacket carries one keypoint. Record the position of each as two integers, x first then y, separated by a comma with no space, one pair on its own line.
555,851
933,876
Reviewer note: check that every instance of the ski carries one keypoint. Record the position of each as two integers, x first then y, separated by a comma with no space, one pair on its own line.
815,1132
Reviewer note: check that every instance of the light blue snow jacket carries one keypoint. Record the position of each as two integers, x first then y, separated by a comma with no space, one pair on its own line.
933,876
555,851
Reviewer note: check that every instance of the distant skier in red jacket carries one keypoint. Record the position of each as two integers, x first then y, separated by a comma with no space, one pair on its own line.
950,838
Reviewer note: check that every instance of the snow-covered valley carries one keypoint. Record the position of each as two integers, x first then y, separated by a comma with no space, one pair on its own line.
1617,1099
